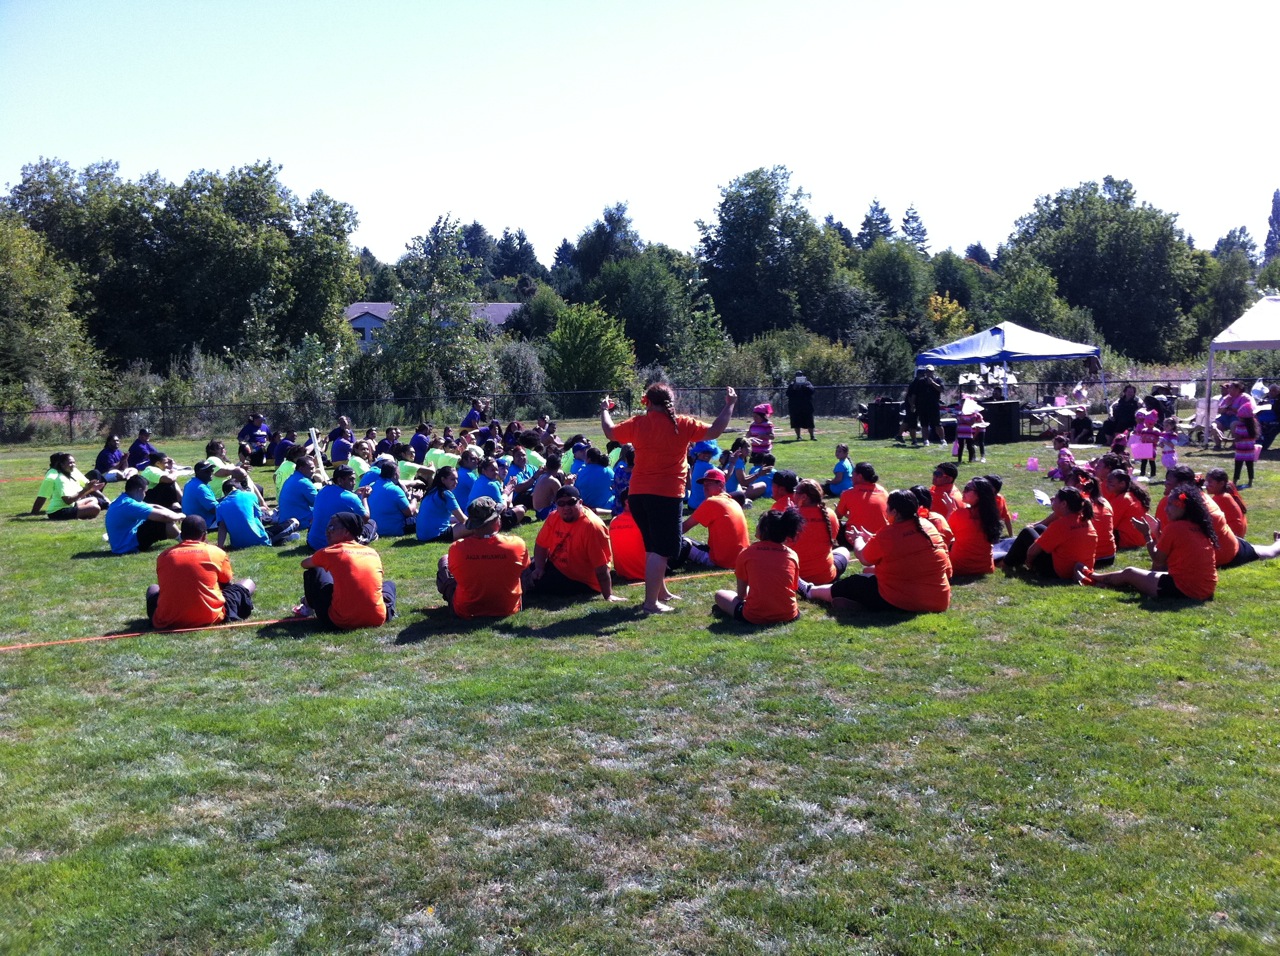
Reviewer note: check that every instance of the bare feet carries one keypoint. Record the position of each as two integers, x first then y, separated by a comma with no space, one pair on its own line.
658,608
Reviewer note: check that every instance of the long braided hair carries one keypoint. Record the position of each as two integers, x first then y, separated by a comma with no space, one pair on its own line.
659,395
1192,501
811,492
906,506
1132,487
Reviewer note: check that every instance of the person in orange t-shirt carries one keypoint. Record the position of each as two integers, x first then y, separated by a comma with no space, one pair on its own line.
1182,564
661,439
924,502
627,546
821,562
1226,496
342,583
976,527
1128,500
945,499
479,576
865,506
725,523
571,554
910,561
1054,548
767,574
195,587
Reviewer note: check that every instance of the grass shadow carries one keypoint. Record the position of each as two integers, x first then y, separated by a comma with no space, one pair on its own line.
440,621
408,541
82,555
294,629
614,618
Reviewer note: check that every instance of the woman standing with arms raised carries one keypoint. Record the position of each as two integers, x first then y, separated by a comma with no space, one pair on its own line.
661,439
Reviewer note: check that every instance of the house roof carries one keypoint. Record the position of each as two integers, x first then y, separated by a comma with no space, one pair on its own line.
495,313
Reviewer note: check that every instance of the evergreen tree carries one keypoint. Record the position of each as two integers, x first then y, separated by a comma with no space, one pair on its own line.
978,253
840,229
914,231
876,224
1271,249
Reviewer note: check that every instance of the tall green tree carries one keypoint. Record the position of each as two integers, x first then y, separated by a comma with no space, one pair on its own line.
45,355
978,253
902,281
431,345
1271,248
876,224
1237,240
914,232
610,238
1127,263
513,256
588,351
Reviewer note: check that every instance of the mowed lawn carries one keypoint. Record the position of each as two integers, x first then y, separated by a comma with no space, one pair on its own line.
1043,769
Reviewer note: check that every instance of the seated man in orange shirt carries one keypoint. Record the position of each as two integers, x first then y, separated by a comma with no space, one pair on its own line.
627,544
342,583
195,588
571,554
479,576
725,523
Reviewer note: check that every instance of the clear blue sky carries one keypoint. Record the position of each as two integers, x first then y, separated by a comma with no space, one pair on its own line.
538,115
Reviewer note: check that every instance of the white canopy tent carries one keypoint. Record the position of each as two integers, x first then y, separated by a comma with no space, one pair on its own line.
1258,328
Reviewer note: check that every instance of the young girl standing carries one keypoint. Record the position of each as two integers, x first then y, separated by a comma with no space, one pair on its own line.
760,432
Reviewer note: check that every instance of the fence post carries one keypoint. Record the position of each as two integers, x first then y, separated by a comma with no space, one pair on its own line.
71,424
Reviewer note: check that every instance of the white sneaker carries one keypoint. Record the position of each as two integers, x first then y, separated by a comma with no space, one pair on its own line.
926,443
293,536
982,460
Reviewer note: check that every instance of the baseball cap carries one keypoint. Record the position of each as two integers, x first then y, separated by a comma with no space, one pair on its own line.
712,474
481,511
569,491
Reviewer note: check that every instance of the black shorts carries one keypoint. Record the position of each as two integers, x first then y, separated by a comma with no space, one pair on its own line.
1246,555
1166,587
841,562
239,601
658,518
63,514
930,415
149,532
863,588
737,610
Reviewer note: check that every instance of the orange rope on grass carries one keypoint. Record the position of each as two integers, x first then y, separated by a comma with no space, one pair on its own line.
176,630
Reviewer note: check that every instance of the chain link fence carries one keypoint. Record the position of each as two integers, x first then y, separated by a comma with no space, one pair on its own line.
74,425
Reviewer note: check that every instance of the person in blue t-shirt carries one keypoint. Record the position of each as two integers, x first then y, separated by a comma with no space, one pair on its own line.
198,497
438,511
595,481
133,525
297,498
703,453
240,519
468,472
843,472
389,506
489,485
338,496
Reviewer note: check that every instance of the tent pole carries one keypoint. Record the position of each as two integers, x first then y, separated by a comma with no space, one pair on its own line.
1208,398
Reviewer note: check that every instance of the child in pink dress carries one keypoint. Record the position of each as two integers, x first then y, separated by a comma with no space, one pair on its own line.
1146,431
1169,444
969,424
760,432
1066,460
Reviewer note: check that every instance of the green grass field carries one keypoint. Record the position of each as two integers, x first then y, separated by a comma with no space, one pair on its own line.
1043,769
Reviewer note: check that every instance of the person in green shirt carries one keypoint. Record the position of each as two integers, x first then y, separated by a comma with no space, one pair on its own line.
62,496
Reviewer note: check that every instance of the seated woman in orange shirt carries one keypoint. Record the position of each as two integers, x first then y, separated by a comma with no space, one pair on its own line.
910,562
821,562
1232,550
1182,564
976,527
1128,500
924,498
1226,496
1104,554
767,573
1054,549
865,506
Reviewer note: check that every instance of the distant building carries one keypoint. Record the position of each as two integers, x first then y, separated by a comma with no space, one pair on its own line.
367,318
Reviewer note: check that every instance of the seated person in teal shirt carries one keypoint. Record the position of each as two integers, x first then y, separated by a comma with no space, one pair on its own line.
297,498
133,525
334,498
240,519
389,506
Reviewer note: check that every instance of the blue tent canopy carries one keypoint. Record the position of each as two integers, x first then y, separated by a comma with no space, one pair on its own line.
1005,342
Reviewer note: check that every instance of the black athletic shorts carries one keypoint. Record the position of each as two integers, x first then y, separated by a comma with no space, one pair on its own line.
863,588
149,532
1246,555
239,601
658,518
1167,588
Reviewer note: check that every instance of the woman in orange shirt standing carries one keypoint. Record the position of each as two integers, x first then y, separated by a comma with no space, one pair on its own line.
910,562
661,439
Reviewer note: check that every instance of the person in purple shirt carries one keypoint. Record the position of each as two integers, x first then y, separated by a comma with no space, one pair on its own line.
420,442
284,444
474,416
110,463
254,436
340,448
141,450
384,447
